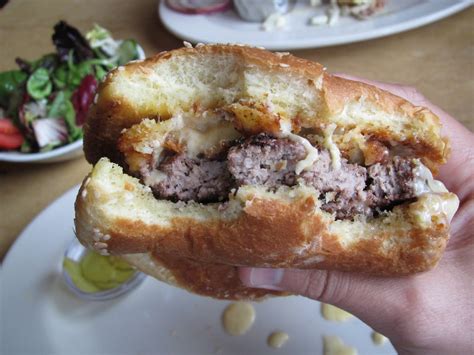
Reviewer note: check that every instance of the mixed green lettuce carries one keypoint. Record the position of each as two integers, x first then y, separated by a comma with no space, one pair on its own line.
46,100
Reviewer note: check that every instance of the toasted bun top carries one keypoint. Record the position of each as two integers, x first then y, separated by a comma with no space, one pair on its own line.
252,83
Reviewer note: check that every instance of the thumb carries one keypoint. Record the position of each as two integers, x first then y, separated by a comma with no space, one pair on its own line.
377,301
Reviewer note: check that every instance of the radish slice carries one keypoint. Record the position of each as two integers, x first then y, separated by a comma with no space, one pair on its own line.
199,6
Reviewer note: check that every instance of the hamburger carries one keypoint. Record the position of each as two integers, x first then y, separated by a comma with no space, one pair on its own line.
220,156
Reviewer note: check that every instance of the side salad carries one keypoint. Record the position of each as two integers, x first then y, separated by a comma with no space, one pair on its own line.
44,103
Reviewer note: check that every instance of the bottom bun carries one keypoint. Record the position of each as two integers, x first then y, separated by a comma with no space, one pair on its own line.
213,280
198,246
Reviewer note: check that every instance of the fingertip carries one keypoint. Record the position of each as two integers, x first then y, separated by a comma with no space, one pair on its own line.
261,277
244,275
394,88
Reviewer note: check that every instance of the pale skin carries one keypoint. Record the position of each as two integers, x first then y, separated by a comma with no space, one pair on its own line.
429,313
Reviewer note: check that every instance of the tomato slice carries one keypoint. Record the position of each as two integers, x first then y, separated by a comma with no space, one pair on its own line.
10,136
7,126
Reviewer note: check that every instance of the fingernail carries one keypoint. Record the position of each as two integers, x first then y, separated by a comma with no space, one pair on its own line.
265,278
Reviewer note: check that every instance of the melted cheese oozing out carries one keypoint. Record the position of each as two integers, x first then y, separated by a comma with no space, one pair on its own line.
434,204
334,314
199,141
197,136
205,132
333,345
311,152
426,187
332,147
426,182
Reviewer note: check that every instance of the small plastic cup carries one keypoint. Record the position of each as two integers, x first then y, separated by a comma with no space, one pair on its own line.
75,251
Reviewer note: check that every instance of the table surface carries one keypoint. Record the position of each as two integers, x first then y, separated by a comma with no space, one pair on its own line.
437,59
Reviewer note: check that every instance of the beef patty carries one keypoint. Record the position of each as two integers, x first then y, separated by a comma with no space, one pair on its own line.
264,160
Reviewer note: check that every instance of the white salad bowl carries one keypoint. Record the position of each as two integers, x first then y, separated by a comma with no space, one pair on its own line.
66,152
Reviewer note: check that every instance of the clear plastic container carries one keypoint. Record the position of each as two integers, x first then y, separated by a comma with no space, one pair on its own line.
76,252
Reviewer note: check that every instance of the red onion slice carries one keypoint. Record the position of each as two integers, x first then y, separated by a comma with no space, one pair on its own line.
199,6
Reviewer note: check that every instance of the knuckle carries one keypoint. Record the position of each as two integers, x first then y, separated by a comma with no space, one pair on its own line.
326,286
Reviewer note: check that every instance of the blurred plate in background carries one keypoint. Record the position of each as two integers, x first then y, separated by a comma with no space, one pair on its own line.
228,27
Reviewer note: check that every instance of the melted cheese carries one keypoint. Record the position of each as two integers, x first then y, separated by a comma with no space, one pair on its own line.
426,182
311,156
435,204
331,146
204,132
311,152
197,141
195,134
434,195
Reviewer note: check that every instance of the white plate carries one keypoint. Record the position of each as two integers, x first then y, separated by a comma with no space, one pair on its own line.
40,316
69,151
227,27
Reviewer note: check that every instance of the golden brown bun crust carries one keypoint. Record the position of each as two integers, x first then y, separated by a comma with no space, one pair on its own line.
210,279
264,237
213,280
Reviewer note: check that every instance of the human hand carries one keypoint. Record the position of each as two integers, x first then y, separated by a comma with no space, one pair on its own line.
429,313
